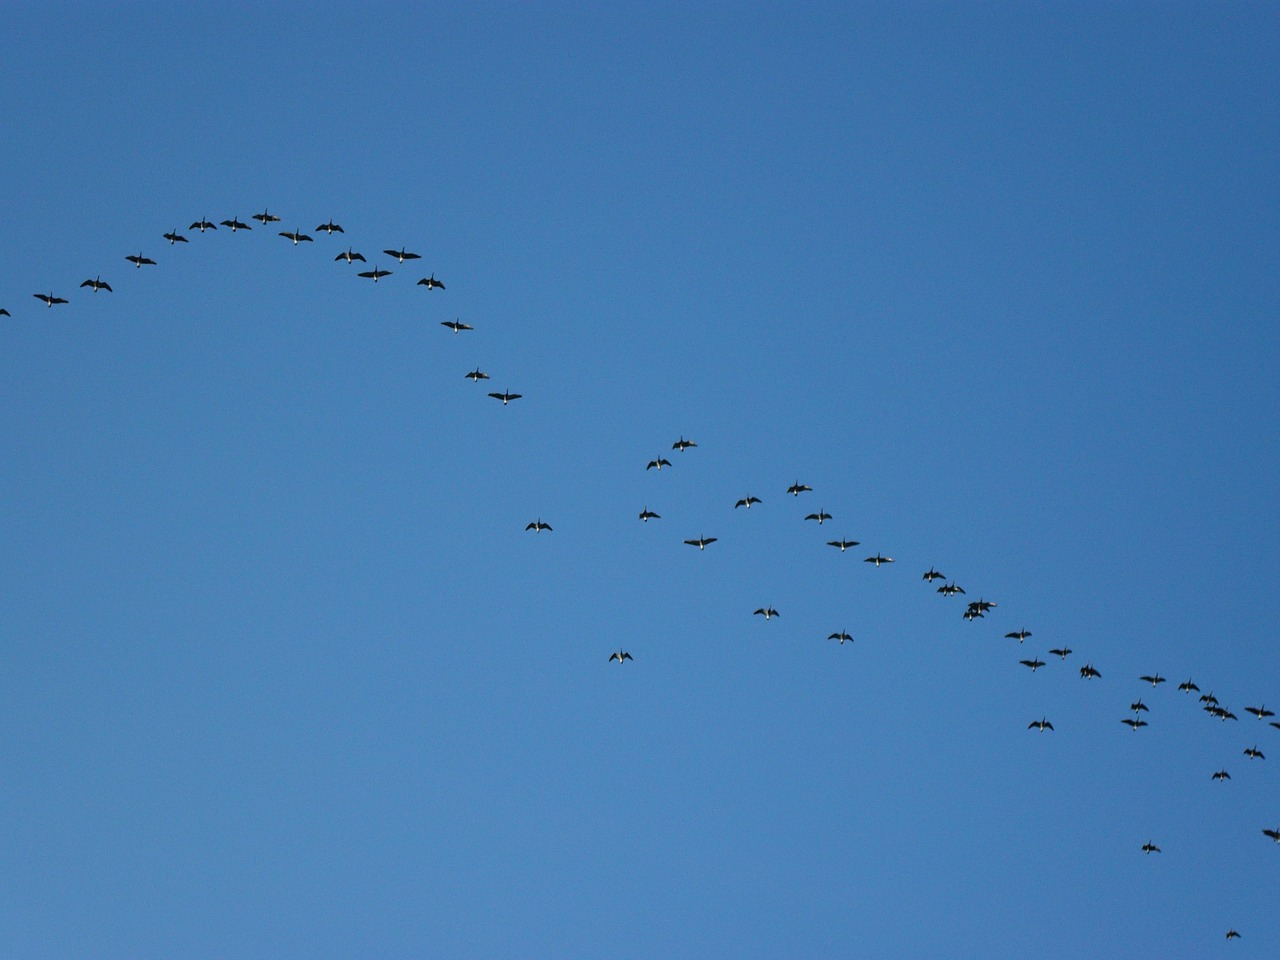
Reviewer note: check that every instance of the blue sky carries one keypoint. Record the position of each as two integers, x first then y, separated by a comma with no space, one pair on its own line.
283,673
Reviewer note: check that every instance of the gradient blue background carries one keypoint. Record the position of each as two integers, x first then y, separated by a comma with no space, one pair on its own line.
281,674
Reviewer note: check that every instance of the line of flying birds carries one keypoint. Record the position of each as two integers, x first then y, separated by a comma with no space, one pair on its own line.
974,610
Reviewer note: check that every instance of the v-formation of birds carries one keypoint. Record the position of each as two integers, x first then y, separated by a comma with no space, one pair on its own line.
974,610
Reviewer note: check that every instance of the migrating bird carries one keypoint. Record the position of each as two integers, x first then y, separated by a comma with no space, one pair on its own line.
701,542
1188,686
878,559
1221,775
1062,652
173,236
98,284
456,325
820,516
1150,847
620,656
202,225
842,636
49,299
330,228
659,463
984,605
296,236
646,515
538,526
1273,834
1139,707
1042,725
933,575
746,502
971,614
505,397
766,612
1233,935
375,274
1019,635
1209,698
1154,679
1088,671
401,255
139,260
235,225
1134,724
798,488
1253,753
842,544
682,444
950,589
476,375
1034,664
350,256
431,283
264,218
1260,712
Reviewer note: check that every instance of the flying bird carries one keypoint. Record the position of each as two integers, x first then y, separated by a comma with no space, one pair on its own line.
842,544
973,614
933,575
1209,698
1154,679
375,274
682,444
1253,753
878,559
477,375
431,283
1034,664
620,656
820,516
842,636
659,463
746,502
1150,847
1260,712
538,526
506,397
98,284
1019,635
1221,775
950,589
1273,834
202,225
235,225
296,236
701,542
139,260
350,256
646,515
1088,671
173,236
401,255
1042,725
766,612
1139,707
265,217
1233,935
1188,686
330,228
456,325
49,299
798,488
1134,724
1062,652
984,605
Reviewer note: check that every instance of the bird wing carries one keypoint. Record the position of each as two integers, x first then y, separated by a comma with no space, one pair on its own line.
709,540
613,657
626,656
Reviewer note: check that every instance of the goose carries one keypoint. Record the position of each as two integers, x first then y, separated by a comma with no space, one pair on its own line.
266,217
456,325
235,225
401,255
746,502
173,236
1062,652
431,283
1260,712
798,488
1035,664
933,575
1221,775
1273,834
1154,679
1088,672
766,612
330,228
950,589
1149,848
1139,707
701,542
1233,934
476,375
1042,725
49,299
972,614
375,274
646,515
1133,724
350,256
842,636
98,284
1188,686
620,656
682,444
1253,753
1019,635
296,236
659,463
878,559
1209,698
506,397
842,544
139,260
984,605
538,526
820,516
202,225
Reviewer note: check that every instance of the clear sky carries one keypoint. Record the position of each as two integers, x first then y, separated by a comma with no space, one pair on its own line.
282,674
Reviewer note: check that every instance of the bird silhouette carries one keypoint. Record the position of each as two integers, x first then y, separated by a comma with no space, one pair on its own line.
1273,834
842,636
878,559
1134,724
646,515
477,375
821,516
746,502
1139,707
296,236
933,575
350,256
1042,725
1088,671
701,542
1062,652
950,589
330,228
537,526
1154,679
620,656
1209,698
1150,847
431,283
1035,664
375,274
456,325
98,284
1221,775
1260,712
798,488
842,544
139,260
401,255
1253,753
49,299
506,397
766,612
202,225
173,236
235,225
266,217
682,444
1233,935
1188,686
659,464
1019,635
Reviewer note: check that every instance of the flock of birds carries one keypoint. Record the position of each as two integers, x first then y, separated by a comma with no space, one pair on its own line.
974,610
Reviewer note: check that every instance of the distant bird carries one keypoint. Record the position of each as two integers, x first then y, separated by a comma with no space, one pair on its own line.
1062,652
701,542
1154,679
842,636
1260,712
620,656
431,283
456,325
984,605
477,375
971,614
950,589
1019,635
798,488
820,516
350,256
746,502
330,228
766,612
202,225
646,515
375,274
173,236
933,575
1273,834
1233,935
1221,775
659,463
1035,664
1188,686
878,559
1209,698
296,236
1089,672
1139,707
98,284
1134,724
265,217
1150,848
1042,725
235,225
505,397
49,299
139,260
682,444
401,255
1253,753
842,544
538,526
1222,713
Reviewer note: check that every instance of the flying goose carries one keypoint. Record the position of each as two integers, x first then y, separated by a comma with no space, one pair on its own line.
431,283
98,284
1154,679
476,375
350,256
1253,753
984,605
746,502
973,614
1042,725
506,397
842,636
1019,635
1260,712
265,217
375,274
401,255
798,488
1209,698
878,559
1139,707
842,544
1035,664
173,236
820,516
1150,848
296,236
235,225
1188,686
456,325
202,225
933,575
646,515
659,463
682,444
49,299
537,526
1273,834
1062,652
1233,934
620,656
1221,775
950,589
330,228
139,260
766,612
701,542
1133,724
1088,672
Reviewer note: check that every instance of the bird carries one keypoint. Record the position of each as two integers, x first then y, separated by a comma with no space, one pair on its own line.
1019,635
1062,652
701,542
1088,671
1034,664
984,605
98,284
1042,725
659,463
1209,698
477,375
842,544
950,589
265,217
766,612
620,656
746,502
139,260
235,225
456,325
1273,834
1253,753
173,236
1260,712
330,228
296,236
1149,848
842,636
1134,724
1233,935
820,516
375,274
1154,679
933,575
506,397
646,515
798,488
49,299
971,614
682,444
431,283
350,256
878,559
1139,707
538,526
1221,775
202,225
401,255
1188,686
